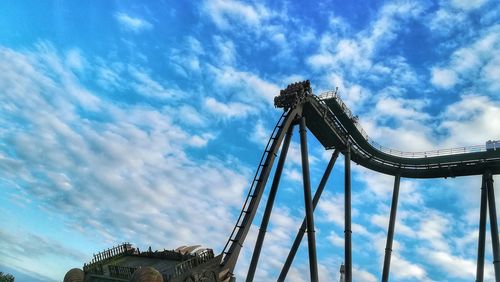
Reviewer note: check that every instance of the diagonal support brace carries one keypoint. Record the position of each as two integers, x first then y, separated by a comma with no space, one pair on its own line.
390,232
300,234
493,224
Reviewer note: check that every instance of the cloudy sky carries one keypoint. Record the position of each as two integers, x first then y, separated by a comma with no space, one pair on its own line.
144,123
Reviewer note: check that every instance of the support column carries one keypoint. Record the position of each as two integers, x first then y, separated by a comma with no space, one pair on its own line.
269,205
493,225
390,232
311,240
347,213
482,231
300,234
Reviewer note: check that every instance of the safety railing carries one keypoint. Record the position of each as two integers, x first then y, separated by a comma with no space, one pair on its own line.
423,154
95,265
185,266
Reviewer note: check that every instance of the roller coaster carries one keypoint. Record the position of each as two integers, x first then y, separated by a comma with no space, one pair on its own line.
332,123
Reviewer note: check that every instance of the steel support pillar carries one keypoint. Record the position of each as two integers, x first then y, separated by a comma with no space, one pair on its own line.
300,234
493,225
347,214
269,205
311,240
390,231
482,231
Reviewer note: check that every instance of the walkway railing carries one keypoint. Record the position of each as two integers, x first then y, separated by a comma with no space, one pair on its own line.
423,154
185,266
95,265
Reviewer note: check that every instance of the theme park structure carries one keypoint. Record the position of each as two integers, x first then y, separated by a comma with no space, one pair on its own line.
336,128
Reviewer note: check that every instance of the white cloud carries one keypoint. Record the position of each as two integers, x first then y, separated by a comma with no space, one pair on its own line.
110,77
227,110
474,63
247,86
117,77
294,175
467,5
195,45
332,209
133,24
335,239
187,59
227,13
226,49
401,109
33,254
446,20
260,134
191,116
75,60
363,275
455,266
403,269
144,85
444,78
491,72
471,121
355,54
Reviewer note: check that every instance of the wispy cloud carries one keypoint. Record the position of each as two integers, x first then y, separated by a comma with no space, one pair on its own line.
32,253
443,78
478,61
130,23
468,5
145,85
227,110
226,14
132,150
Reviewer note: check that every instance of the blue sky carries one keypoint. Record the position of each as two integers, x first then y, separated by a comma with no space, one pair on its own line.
124,121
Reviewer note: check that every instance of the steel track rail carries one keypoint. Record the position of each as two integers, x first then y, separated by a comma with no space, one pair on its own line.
333,125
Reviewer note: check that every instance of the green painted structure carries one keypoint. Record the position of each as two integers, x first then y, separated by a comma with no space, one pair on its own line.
126,263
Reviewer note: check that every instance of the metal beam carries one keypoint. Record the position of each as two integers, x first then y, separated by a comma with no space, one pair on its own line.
302,229
347,214
390,232
269,205
482,231
493,225
311,240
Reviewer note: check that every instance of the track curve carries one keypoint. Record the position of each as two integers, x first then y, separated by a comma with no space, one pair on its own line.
333,124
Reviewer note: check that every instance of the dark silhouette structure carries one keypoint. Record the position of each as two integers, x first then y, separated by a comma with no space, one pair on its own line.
335,127
126,263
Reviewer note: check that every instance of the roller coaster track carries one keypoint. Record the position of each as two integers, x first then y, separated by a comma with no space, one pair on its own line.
335,127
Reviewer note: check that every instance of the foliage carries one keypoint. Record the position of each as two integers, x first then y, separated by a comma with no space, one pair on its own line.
6,277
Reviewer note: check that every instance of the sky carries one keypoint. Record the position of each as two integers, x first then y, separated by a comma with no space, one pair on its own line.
144,122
